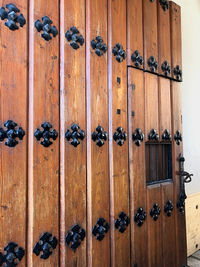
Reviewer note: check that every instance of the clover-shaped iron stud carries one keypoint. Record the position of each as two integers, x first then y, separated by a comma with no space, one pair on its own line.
100,136
12,256
46,134
137,59
178,138
166,68
74,37
119,52
99,46
120,136
168,208
138,136
10,134
166,136
46,27
153,135
75,236
122,223
155,212
45,246
164,4
153,64
74,135
140,217
100,229
14,20
177,73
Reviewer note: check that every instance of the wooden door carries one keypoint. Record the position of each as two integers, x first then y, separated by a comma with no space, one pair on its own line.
90,134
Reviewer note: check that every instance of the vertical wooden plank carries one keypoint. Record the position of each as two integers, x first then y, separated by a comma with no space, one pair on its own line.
176,41
43,107
153,191
120,247
73,159
134,33
164,106
155,258
151,103
164,42
168,226
97,115
150,35
13,106
139,251
181,249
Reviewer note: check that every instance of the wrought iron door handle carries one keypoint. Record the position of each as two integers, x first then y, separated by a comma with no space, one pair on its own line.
185,177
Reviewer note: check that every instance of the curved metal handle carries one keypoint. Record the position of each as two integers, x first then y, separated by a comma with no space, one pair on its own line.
185,177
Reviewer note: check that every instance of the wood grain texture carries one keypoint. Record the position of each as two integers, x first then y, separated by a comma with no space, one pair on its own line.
139,251
43,106
150,31
73,111
97,111
134,29
13,106
164,42
120,248
164,106
192,213
176,40
181,248
168,227
155,258
151,103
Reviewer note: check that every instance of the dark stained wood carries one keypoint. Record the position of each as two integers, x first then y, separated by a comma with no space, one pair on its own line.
72,110
13,106
155,258
43,106
134,29
176,41
168,226
164,43
139,251
150,31
181,249
164,106
119,180
151,103
97,112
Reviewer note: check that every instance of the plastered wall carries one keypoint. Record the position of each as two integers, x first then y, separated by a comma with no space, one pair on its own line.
191,89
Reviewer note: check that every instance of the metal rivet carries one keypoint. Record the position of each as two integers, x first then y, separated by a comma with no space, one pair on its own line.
132,113
11,133
118,111
46,27
45,246
133,86
118,80
14,20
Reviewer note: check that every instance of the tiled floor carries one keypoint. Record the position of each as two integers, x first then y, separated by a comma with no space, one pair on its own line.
194,260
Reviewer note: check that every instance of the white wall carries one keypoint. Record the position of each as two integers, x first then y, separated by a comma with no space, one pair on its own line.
191,89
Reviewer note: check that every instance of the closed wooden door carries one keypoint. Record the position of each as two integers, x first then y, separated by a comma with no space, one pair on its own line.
92,171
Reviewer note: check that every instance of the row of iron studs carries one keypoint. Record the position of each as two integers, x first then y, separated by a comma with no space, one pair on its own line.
73,36
47,243
74,135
